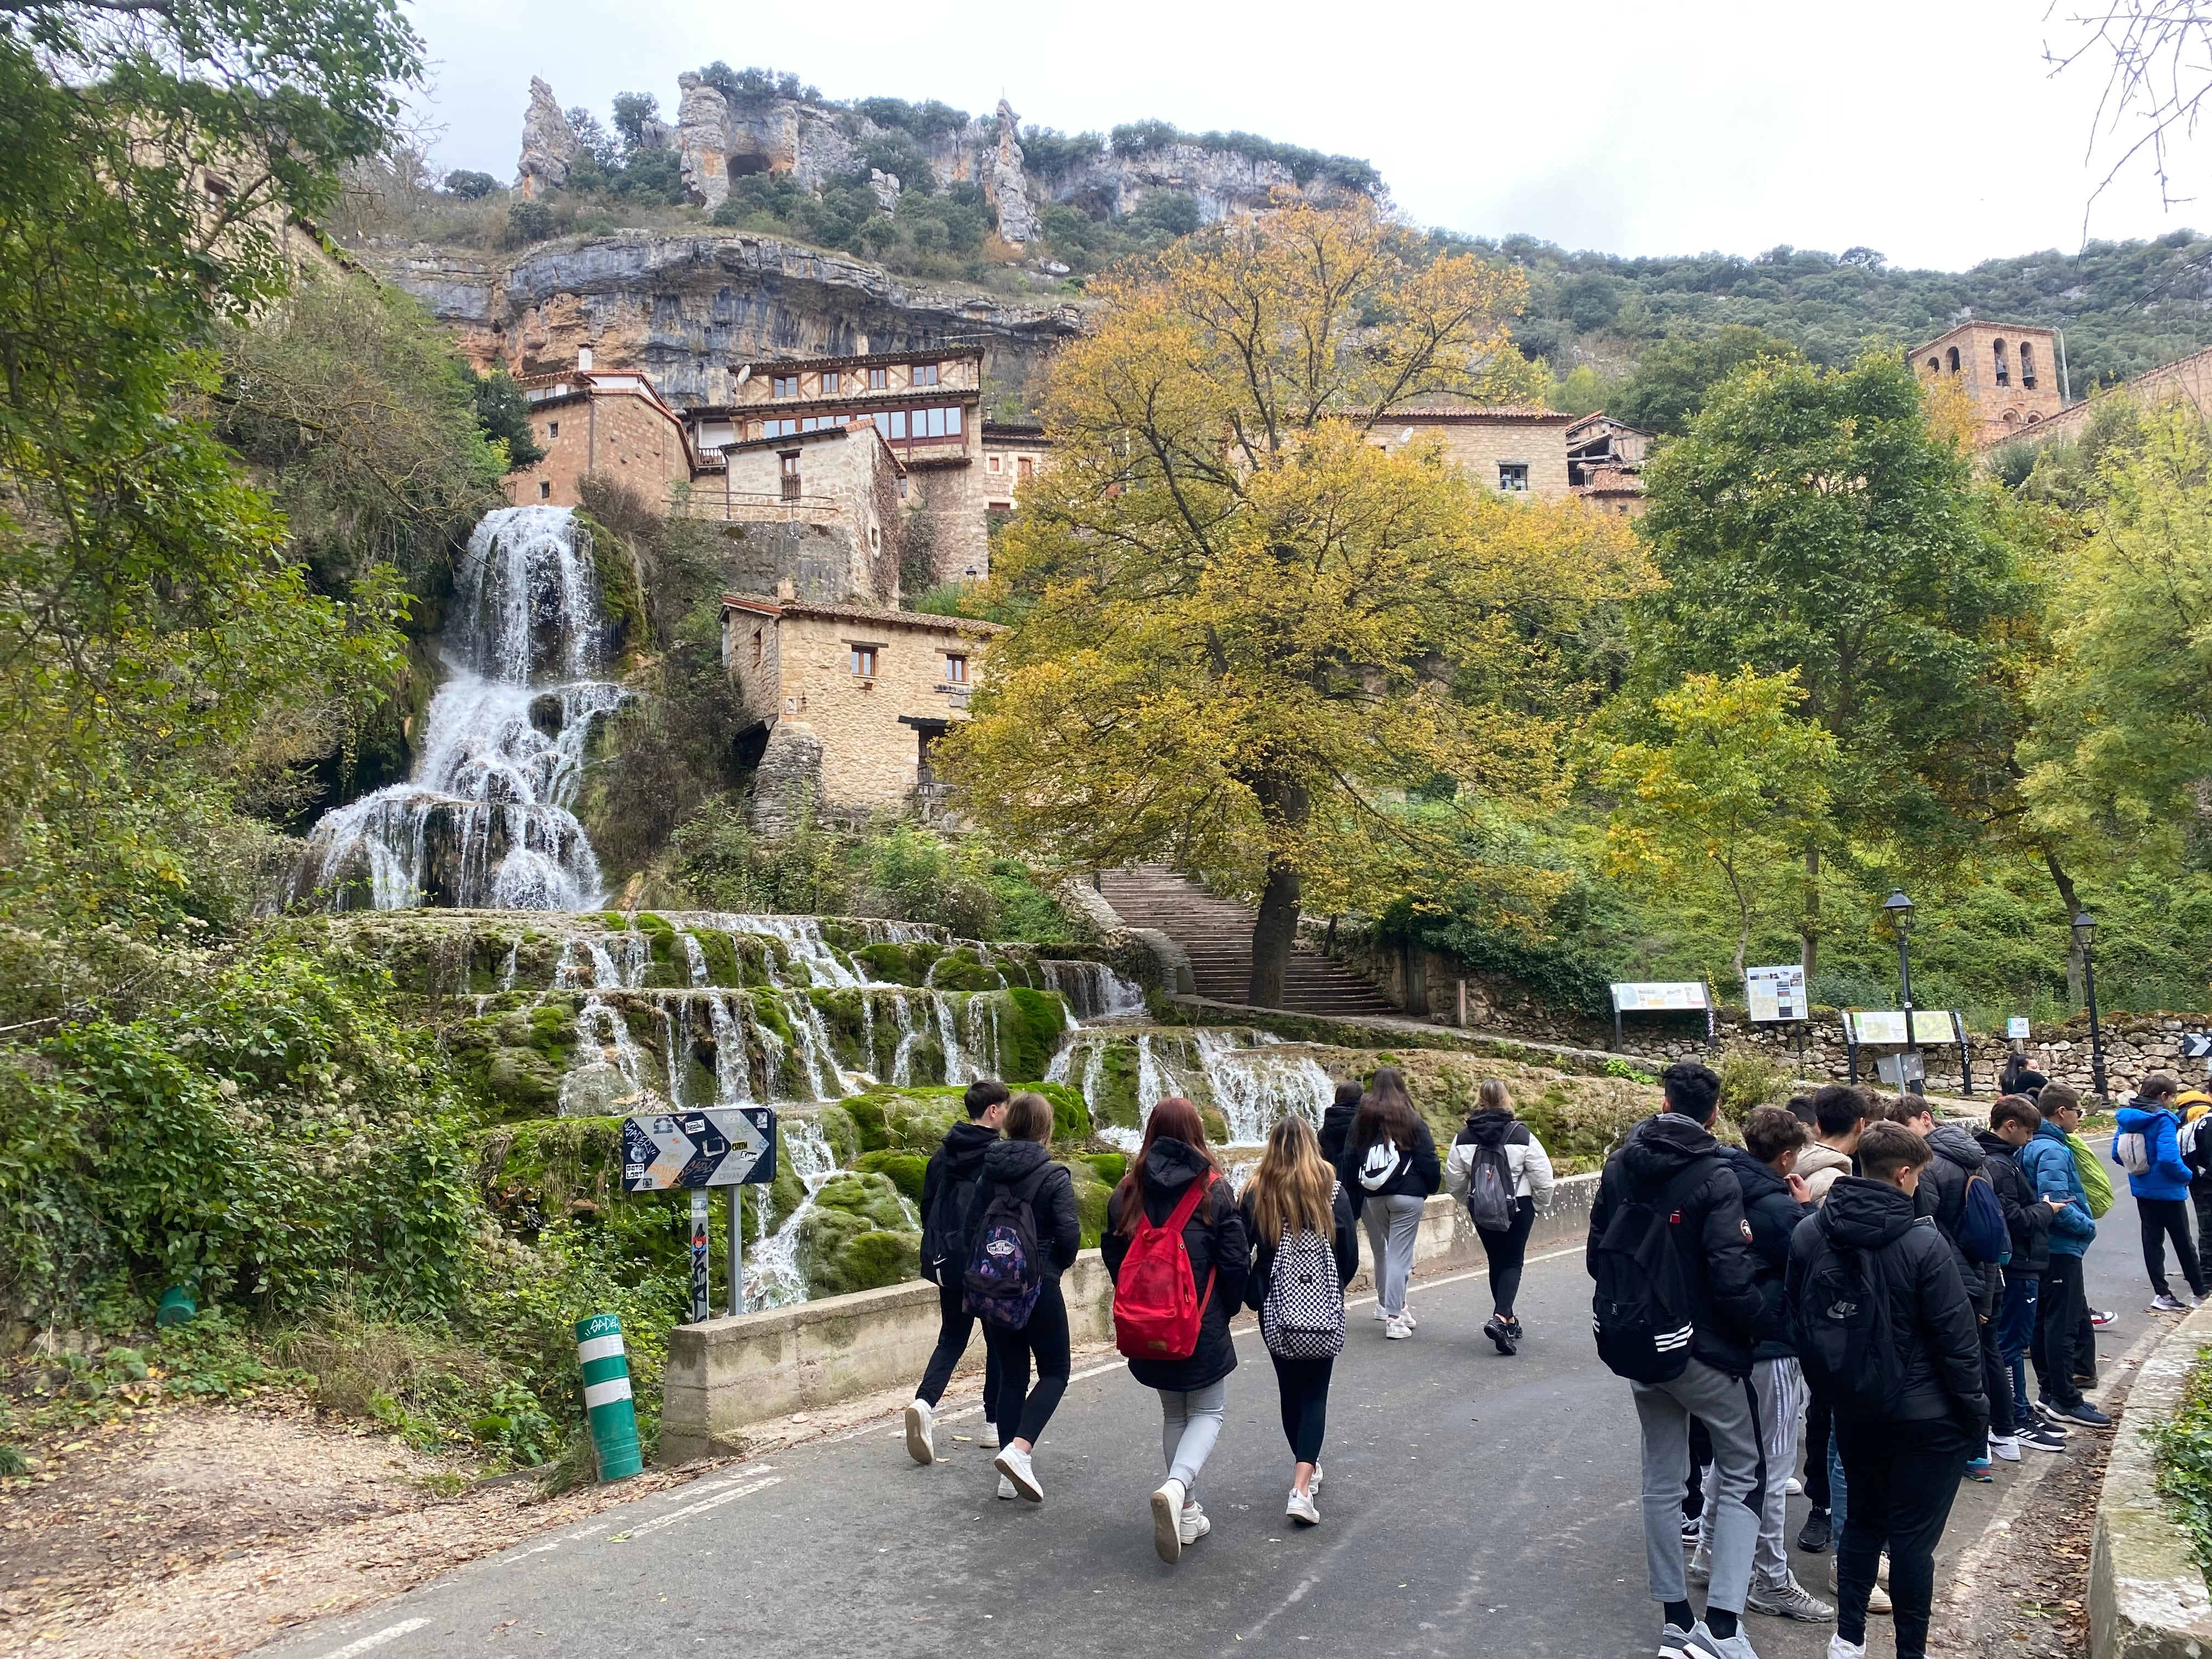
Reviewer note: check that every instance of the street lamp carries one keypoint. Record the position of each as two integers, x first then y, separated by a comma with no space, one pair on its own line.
2085,935
1899,909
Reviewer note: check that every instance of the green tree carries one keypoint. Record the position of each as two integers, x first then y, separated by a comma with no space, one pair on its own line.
1673,376
1738,787
1808,521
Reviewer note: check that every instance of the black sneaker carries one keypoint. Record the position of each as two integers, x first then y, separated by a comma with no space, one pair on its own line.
2052,1417
1501,1333
2083,1411
2043,1437
1817,1534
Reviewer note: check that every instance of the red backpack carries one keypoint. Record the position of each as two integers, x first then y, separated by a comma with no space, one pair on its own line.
1157,1307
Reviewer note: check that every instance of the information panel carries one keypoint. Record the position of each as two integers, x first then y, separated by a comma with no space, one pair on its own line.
1658,996
1776,993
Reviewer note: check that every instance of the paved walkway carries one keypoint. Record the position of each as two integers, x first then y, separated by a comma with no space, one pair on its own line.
1476,1506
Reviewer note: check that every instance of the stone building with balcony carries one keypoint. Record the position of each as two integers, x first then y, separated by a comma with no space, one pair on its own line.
847,701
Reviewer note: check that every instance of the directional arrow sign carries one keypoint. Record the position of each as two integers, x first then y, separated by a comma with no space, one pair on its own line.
727,1146
2196,1045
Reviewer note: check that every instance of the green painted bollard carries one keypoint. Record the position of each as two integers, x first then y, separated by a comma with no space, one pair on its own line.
607,1405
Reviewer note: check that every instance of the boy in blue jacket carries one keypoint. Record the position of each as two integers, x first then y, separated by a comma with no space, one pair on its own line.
2048,1163
2147,1148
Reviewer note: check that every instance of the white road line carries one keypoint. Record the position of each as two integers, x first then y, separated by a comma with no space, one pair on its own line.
713,1503
388,1633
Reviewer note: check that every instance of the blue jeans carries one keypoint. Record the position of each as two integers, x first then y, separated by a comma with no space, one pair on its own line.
2016,1331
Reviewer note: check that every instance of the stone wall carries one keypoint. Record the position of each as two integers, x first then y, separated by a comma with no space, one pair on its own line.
725,1374
623,435
1481,441
845,477
2135,1044
946,515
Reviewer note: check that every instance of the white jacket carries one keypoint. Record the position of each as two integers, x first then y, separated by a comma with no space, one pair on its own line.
1526,1162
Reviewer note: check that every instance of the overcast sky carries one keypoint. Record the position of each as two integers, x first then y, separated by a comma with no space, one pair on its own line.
1930,130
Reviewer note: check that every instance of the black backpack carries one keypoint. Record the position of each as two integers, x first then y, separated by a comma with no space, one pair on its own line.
1642,1308
945,1229
1848,1341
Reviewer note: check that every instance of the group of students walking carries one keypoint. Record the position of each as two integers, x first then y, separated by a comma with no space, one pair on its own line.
1186,1253
1886,1275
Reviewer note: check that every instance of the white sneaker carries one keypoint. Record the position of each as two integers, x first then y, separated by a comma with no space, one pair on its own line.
987,1437
1301,1509
1397,1330
1192,1524
1793,1487
1006,1488
1674,1642
1314,1485
1699,1568
1703,1642
1877,1598
1790,1599
1014,1464
2005,1447
1406,1315
922,1433
1839,1649
1379,1314
1167,1520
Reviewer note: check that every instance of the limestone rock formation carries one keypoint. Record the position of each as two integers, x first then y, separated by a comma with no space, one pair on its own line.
702,141
689,307
1006,185
548,144
886,187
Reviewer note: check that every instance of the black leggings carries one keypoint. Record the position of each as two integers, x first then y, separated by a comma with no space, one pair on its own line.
1507,1251
1022,1411
2163,1219
954,1325
1304,1386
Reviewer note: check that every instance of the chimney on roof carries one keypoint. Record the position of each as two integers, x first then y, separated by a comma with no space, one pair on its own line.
584,356
785,590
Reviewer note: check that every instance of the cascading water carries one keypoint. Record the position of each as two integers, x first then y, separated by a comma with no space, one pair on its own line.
484,821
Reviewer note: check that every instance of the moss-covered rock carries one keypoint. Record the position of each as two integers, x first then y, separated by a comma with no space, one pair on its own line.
1217,1125
964,970
1071,1118
904,1171
1091,1196
1030,1030
1109,1167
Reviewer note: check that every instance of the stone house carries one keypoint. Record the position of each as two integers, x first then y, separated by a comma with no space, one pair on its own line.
610,421
1605,463
818,509
926,405
848,700
1515,452
1013,453
2009,372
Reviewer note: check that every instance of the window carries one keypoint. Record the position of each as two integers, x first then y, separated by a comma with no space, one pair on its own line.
760,648
790,472
552,428
779,429
830,382
1513,477
2028,365
994,463
879,378
864,662
544,489
1935,367
956,670
1954,360
783,385
2004,373
1027,467
901,489
924,374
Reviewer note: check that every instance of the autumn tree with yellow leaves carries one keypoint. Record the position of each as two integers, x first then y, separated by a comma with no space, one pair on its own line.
1245,630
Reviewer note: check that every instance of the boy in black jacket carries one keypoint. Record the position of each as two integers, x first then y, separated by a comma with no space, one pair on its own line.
1904,1454
958,1162
2013,1122
1674,1152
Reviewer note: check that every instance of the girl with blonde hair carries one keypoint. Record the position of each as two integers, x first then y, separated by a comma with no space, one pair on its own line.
1305,1249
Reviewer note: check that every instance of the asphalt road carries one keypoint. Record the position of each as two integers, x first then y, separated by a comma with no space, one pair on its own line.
1475,1506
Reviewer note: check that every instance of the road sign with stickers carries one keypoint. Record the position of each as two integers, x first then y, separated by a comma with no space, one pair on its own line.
2196,1045
724,1146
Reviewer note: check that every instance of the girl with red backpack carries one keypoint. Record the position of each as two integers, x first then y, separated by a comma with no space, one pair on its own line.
1027,1230
1176,1249
1306,1249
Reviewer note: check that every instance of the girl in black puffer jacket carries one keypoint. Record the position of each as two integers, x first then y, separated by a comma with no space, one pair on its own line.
1194,1394
1024,1156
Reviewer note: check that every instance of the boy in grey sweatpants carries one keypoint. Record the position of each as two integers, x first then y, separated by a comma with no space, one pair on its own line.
1673,1163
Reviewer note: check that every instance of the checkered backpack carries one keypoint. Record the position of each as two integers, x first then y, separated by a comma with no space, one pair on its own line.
1302,1316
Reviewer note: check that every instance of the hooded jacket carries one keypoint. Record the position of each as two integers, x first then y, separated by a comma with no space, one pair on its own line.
1059,1223
1942,1197
958,1157
2027,1217
1216,1241
1335,1130
2167,1177
1819,1166
1916,1269
1528,1166
1774,1215
1418,1176
1722,1271
2047,1161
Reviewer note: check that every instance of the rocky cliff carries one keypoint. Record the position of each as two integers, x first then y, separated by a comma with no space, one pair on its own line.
689,307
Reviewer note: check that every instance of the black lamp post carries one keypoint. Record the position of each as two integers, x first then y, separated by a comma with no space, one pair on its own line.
1899,909
2085,935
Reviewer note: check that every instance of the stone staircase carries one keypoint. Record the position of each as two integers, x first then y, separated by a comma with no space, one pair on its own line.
1218,937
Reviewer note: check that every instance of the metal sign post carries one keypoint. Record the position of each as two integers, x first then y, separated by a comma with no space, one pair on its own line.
726,1146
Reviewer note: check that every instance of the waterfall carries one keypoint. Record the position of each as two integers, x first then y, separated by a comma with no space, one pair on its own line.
1093,990
772,1277
484,821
